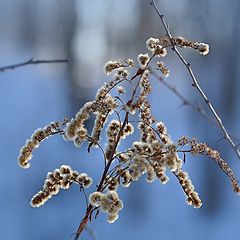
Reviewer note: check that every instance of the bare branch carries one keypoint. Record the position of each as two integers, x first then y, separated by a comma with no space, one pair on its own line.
31,61
185,101
196,82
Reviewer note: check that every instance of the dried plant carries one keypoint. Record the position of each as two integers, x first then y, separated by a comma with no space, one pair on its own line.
153,153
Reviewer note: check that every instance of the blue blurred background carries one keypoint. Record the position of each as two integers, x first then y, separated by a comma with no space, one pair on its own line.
89,33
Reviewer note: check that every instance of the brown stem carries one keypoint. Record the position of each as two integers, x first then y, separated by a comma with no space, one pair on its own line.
99,188
84,221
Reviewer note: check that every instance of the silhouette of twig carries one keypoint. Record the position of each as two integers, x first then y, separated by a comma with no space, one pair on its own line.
31,61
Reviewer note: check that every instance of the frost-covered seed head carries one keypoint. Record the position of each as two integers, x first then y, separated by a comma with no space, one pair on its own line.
126,178
160,51
143,60
111,218
121,90
165,71
122,73
203,48
130,62
151,175
151,44
37,137
110,66
94,198
64,169
59,178
113,184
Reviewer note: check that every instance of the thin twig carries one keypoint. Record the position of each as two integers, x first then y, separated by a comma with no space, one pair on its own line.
100,147
31,61
184,100
84,193
196,83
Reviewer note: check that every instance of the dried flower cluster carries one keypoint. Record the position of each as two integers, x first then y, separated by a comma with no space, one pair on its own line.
143,60
161,66
188,188
59,178
37,137
111,65
164,42
153,153
101,107
109,203
202,48
203,149
112,131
